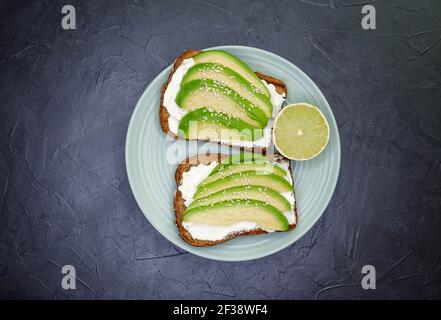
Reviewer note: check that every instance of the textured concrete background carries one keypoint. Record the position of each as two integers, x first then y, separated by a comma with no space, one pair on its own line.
66,98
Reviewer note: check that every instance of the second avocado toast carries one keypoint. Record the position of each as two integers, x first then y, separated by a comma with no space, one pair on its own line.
220,197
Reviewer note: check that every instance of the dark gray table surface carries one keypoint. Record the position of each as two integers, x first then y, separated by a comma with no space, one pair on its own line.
66,97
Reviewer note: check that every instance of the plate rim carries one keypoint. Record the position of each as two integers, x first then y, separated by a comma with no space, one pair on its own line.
197,250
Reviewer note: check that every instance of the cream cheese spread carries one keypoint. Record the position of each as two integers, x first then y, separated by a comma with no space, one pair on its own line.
176,113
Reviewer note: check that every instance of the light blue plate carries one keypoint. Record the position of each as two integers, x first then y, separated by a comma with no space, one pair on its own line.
151,173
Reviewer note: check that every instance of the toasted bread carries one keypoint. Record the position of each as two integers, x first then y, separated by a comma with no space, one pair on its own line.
187,54
180,207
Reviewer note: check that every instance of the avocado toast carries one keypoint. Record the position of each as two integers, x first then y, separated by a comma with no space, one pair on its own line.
213,96
220,197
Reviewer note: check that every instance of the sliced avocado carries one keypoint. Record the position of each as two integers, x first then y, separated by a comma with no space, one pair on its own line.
209,93
244,178
239,157
262,167
229,212
205,124
231,79
230,61
264,194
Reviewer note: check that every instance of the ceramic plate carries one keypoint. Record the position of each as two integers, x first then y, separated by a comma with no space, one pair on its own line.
150,169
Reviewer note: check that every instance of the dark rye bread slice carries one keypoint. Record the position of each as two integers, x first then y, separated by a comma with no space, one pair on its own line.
180,207
164,115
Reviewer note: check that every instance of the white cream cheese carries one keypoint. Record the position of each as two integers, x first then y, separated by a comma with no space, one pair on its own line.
176,113
192,178
213,233
189,183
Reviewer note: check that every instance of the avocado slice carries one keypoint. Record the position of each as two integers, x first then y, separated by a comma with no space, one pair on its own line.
205,124
239,157
227,59
264,194
231,79
270,180
209,93
229,212
260,166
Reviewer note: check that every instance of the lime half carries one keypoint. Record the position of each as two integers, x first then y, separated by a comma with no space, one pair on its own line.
301,131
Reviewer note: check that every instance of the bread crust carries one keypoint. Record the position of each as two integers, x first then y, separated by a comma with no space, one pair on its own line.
180,207
187,54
